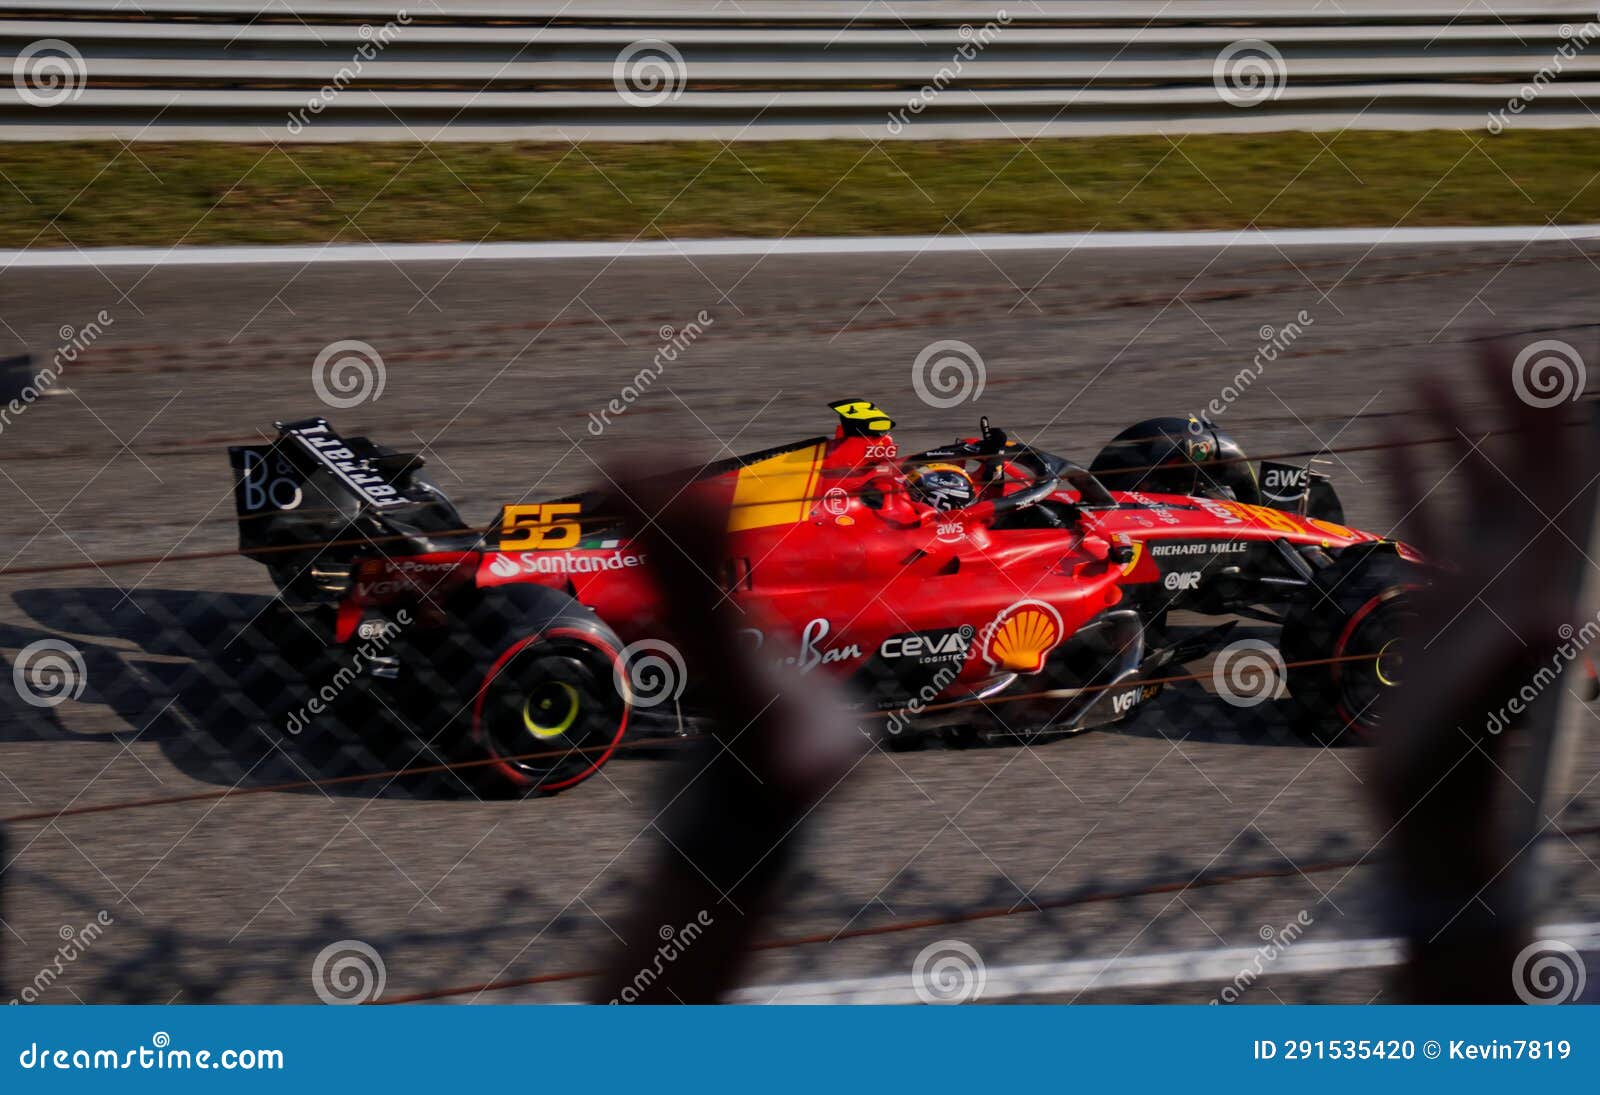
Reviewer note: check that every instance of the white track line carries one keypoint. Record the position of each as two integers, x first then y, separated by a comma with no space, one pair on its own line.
1133,971
820,245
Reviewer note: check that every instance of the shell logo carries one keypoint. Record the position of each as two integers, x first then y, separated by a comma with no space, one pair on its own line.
1022,636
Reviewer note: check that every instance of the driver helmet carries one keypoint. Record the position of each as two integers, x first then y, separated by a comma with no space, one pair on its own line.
943,486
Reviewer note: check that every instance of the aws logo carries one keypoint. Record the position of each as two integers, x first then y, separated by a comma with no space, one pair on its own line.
1022,636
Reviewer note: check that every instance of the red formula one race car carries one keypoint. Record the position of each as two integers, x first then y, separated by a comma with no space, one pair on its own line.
984,590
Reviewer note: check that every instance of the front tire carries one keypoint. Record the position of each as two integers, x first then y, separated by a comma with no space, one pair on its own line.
1355,628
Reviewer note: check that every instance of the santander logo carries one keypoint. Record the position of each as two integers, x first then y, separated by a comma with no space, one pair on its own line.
562,562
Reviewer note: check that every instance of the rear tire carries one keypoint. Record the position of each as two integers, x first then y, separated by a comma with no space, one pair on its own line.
1362,613
523,688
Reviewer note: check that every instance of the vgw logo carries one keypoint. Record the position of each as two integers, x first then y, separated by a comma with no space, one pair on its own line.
1123,702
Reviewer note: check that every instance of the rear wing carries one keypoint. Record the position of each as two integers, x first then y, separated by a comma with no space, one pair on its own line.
312,488
359,469
273,479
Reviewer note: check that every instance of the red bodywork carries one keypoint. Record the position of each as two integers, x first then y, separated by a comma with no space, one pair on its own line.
836,564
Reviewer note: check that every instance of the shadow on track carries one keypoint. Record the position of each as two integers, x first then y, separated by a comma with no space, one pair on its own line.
222,683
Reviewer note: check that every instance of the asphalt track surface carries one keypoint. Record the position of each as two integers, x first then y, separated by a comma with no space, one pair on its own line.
495,367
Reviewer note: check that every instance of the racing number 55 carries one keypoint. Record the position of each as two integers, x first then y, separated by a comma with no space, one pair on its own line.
543,527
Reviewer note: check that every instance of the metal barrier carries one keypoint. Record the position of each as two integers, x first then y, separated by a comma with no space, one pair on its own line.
481,70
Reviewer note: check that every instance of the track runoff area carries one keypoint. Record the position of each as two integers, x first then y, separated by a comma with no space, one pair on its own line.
1325,1046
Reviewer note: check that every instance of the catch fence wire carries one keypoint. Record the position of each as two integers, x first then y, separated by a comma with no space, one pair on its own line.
218,736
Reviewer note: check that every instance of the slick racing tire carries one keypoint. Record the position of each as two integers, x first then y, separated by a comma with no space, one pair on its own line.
524,691
1356,628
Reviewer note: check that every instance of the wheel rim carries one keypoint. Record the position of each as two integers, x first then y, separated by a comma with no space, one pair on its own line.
551,709
1390,664
547,709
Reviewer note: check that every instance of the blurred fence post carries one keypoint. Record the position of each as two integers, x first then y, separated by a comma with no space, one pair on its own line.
777,744
1493,704
1551,734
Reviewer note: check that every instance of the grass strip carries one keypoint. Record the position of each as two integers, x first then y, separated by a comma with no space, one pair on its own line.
97,194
